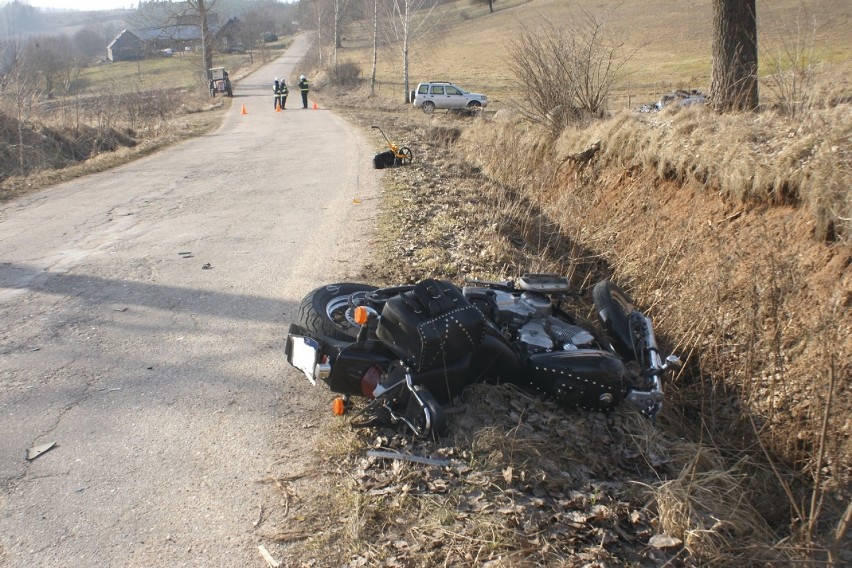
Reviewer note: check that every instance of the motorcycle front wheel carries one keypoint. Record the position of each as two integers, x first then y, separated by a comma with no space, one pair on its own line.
328,310
614,307
429,419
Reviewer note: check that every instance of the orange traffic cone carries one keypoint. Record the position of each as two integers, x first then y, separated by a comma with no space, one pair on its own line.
277,107
244,109
315,106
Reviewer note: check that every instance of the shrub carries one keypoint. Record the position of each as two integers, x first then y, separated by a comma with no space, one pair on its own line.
345,75
566,74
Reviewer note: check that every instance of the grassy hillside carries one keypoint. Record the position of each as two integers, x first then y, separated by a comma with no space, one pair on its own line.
470,46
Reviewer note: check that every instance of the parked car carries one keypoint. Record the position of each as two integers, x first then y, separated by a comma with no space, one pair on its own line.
441,94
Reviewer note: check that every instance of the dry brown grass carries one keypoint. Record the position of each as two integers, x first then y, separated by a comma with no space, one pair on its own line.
752,453
736,281
732,231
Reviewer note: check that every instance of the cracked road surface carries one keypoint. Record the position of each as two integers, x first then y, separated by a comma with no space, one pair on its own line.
163,383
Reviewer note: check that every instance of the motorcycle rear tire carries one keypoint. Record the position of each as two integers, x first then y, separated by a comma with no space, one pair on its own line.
614,307
323,311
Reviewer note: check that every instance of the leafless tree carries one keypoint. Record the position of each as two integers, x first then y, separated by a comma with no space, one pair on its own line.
375,55
409,21
18,95
167,14
91,42
733,79
339,19
320,14
46,57
201,8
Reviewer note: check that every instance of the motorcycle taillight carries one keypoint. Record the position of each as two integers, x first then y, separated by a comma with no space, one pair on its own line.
370,380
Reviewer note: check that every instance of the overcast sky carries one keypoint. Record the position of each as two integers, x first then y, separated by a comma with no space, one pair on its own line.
83,4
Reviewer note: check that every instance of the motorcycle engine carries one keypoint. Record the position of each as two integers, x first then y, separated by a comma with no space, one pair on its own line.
530,316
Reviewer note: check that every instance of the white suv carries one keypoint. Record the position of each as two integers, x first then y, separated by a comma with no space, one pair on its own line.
440,94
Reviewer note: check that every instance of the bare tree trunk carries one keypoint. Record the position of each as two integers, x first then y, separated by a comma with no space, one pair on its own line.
336,33
405,42
201,7
206,37
733,84
375,46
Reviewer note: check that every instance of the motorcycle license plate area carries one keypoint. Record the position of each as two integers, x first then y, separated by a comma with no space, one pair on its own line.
304,355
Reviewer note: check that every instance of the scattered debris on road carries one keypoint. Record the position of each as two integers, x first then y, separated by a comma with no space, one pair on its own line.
268,557
36,451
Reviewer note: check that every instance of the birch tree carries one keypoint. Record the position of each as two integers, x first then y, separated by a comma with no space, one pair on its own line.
409,21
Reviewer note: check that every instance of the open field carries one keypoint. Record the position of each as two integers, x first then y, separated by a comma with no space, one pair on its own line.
184,70
470,46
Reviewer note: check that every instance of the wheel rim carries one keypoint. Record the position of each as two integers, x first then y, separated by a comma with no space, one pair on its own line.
428,107
339,309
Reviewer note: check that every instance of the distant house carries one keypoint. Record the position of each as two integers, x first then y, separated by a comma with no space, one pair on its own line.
127,46
183,34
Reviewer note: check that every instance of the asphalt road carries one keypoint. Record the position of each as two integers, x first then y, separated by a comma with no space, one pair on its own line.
163,383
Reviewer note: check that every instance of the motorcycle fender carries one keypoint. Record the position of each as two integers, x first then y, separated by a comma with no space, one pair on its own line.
445,382
586,378
494,361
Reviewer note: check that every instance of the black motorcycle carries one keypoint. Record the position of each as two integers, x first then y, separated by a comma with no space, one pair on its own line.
411,349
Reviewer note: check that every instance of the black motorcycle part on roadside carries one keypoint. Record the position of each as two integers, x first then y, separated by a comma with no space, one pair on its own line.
584,378
383,160
494,361
618,316
431,326
352,361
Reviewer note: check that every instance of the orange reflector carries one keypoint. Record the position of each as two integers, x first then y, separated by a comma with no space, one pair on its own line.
361,315
338,406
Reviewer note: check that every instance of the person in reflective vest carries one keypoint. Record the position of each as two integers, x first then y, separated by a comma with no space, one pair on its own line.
304,87
276,92
282,94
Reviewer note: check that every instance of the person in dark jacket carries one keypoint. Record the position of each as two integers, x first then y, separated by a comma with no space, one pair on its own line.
276,92
282,94
304,87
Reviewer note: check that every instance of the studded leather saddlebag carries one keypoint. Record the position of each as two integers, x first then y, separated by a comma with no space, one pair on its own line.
431,325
